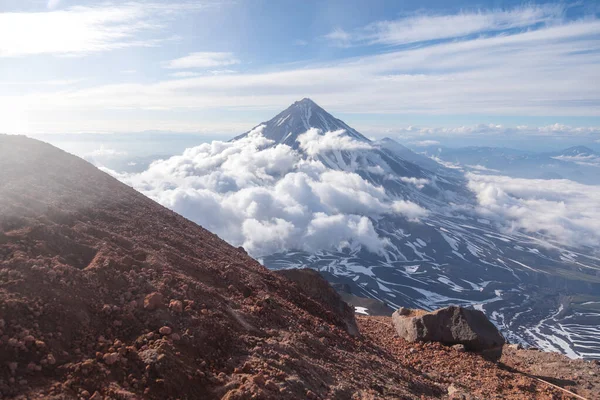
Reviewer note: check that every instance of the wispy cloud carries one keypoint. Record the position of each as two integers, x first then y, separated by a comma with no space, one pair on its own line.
340,37
203,60
553,69
421,28
85,29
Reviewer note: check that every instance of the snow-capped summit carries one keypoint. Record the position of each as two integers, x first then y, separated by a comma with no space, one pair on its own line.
577,151
301,116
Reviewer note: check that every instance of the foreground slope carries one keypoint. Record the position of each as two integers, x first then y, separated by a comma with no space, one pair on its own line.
106,294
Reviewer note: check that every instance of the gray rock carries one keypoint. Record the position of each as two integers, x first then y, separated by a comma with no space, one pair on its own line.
450,325
459,347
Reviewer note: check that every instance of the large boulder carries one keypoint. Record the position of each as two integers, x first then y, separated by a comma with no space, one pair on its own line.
450,325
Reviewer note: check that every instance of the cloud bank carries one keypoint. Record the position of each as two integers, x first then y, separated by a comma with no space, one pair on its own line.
271,199
563,210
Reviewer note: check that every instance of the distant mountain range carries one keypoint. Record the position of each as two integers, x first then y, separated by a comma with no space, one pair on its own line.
579,163
534,292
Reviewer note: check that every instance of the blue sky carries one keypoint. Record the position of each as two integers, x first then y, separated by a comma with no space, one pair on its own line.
412,70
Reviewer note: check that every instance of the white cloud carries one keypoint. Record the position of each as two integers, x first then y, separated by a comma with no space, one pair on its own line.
339,37
203,60
563,210
421,28
271,199
314,142
409,209
82,30
589,160
418,182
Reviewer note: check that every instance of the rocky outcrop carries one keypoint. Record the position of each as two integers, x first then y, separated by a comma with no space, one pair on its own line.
317,288
370,306
451,325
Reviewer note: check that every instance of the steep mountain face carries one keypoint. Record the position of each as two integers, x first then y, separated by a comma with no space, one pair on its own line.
533,290
285,127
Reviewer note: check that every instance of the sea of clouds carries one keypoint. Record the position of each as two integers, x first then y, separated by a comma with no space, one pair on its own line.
566,212
274,198
271,198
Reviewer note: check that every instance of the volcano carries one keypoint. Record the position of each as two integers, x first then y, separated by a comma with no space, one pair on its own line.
451,255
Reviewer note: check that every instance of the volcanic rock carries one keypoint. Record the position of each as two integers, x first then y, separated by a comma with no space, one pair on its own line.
451,325
313,284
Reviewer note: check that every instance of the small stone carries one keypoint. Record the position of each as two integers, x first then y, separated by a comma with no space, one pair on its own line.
459,347
29,339
258,379
51,360
452,390
176,306
310,395
165,330
272,386
412,350
175,337
110,358
515,346
153,301
12,366
96,396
